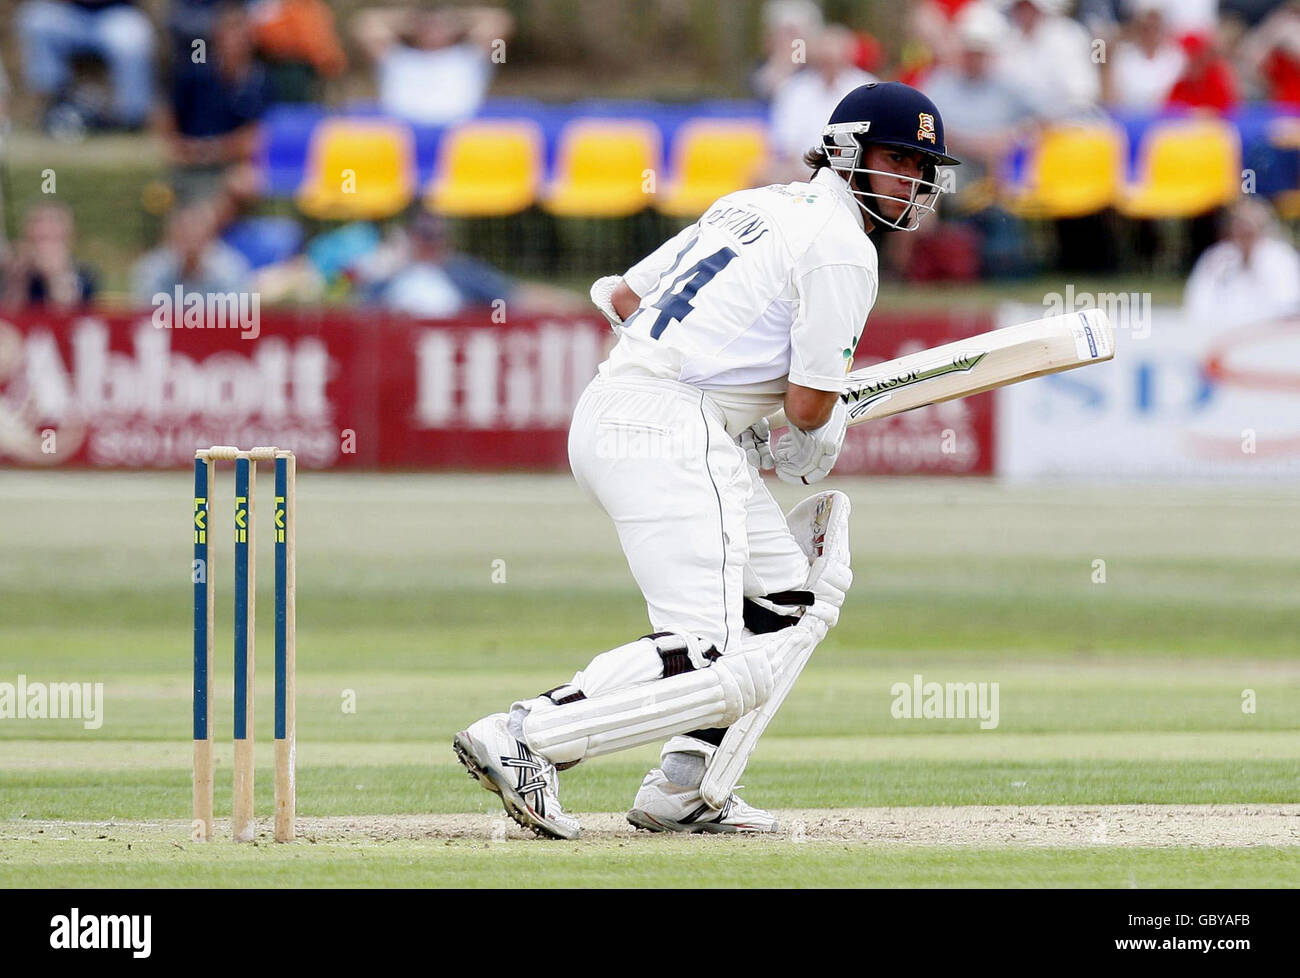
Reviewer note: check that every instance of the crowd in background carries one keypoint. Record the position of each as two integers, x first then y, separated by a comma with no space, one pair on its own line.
997,69
1013,62
221,64
1001,71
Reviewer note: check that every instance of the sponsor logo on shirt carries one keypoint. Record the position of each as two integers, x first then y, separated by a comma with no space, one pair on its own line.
796,196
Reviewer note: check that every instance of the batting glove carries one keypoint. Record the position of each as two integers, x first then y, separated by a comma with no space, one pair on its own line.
804,457
602,294
754,440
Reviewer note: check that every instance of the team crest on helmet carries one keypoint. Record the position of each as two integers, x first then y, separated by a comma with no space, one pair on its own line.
926,129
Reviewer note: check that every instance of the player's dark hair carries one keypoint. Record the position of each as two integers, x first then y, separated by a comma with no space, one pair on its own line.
816,158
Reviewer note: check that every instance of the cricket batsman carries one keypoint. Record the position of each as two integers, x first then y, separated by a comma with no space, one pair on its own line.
754,308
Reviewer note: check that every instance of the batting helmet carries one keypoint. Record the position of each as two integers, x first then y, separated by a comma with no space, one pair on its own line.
888,114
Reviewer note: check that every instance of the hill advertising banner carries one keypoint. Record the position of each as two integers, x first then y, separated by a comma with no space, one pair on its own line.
354,389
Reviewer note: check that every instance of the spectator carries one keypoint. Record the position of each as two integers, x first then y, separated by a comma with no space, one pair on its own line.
433,282
40,269
329,266
434,65
868,52
192,256
788,27
1050,57
1252,274
211,123
805,100
1272,52
1247,13
53,32
189,21
1100,17
1207,80
989,115
988,112
1190,16
1146,64
932,41
298,41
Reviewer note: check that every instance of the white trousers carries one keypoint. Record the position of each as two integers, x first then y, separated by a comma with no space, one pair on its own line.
699,528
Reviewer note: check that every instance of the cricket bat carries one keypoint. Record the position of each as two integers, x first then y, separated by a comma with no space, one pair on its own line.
976,364
944,373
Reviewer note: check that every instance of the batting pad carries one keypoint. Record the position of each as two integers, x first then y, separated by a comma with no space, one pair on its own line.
714,696
820,525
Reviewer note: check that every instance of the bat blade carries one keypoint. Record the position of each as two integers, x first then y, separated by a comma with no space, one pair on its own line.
977,364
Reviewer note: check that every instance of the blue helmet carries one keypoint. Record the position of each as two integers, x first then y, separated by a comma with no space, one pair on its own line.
889,114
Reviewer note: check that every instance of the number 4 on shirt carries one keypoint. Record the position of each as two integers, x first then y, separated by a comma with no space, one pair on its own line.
677,305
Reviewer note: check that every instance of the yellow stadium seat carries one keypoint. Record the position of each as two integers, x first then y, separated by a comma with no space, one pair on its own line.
487,169
1188,167
358,169
1072,171
712,158
602,168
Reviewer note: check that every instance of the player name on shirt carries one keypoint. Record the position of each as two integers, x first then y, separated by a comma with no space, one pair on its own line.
746,225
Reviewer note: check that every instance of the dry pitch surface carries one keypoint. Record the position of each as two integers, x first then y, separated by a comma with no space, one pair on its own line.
970,825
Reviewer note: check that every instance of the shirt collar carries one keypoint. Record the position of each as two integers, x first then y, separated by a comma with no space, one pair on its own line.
827,177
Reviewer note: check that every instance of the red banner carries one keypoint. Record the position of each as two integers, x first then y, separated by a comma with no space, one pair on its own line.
352,388
954,438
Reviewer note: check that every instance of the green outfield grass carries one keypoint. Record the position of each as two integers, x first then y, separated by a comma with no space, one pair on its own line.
1124,692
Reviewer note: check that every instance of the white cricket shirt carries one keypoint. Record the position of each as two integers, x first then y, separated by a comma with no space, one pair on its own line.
769,285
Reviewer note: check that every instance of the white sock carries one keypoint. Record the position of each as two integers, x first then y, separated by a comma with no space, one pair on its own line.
682,769
515,724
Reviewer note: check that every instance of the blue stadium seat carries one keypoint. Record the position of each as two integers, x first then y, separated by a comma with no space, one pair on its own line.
730,108
428,139
510,108
286,136
264,240
1135,126
362,108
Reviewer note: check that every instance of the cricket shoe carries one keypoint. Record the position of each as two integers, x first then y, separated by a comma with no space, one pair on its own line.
662,806
527,782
